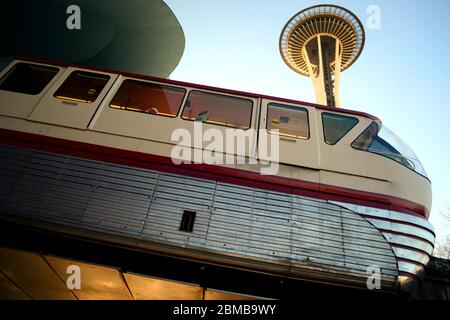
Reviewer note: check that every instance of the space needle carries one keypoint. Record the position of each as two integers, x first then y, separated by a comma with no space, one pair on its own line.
320,42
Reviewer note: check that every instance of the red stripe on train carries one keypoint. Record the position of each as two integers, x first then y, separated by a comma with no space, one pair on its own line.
211,172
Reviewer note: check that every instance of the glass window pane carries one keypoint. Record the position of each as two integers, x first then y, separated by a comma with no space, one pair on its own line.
218,109
149,98
290,121
382,141
366,138
27,78
82,86
336,126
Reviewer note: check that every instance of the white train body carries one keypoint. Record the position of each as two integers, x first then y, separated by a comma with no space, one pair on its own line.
87,152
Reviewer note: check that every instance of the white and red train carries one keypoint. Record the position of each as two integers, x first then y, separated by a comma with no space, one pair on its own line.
87,152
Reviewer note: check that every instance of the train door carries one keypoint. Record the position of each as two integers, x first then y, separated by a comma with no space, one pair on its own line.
296,127
74,98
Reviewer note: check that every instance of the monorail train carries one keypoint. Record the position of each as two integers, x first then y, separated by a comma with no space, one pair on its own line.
87,152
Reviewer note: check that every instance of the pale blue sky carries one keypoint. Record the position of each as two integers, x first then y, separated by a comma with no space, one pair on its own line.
401,76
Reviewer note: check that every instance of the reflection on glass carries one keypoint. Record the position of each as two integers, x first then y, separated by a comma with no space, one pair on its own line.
151,98
290,121
218,109
383,141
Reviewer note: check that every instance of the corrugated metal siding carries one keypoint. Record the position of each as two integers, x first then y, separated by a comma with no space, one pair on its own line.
289,230
412,237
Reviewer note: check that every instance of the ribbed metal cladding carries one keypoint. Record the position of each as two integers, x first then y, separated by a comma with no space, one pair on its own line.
297,233
411,237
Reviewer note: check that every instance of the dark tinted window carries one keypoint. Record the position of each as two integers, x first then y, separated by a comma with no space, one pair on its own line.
336,126
289,120
218,109
148,98
27,78
82,86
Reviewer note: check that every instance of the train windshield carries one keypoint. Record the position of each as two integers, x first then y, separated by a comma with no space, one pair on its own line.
383,141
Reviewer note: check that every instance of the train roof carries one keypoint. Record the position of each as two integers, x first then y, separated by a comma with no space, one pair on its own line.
200,86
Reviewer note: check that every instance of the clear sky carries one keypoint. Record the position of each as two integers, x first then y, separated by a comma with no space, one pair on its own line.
401,76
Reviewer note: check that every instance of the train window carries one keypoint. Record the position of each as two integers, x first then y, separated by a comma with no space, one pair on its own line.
218,109
149,98
27,78
381,140
336,126
4,62
82,86
289,120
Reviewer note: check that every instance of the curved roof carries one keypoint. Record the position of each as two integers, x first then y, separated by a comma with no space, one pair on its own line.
141,36
331,20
